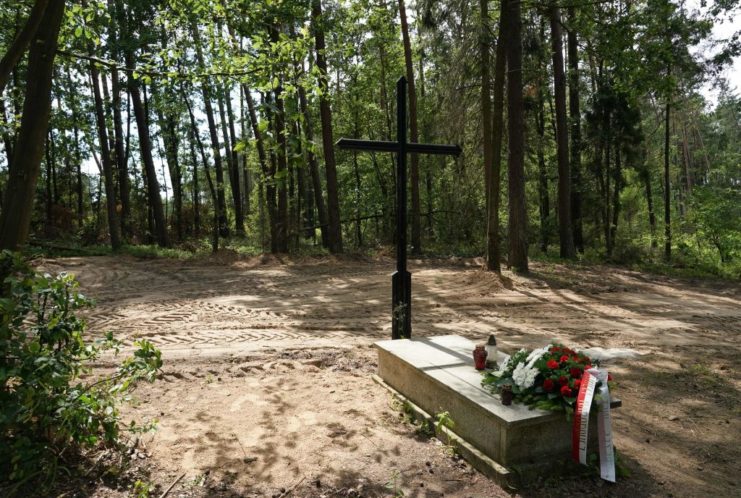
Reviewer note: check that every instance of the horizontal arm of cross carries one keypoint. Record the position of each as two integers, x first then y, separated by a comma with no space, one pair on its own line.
383,146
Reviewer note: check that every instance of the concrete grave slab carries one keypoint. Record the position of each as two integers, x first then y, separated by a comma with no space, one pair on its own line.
437,375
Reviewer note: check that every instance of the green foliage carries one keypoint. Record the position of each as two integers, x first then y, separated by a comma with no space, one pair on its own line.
142,489
393,485
716,216
634,58
444,420
46,408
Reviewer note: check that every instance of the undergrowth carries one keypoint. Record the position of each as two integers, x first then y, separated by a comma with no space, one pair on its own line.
51,408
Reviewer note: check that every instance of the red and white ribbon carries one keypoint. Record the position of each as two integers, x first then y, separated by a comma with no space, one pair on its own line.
580,432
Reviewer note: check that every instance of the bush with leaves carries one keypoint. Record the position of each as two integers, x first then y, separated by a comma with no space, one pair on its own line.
716,215
47,409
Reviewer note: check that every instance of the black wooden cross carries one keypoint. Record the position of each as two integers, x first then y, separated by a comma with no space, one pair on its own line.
401,280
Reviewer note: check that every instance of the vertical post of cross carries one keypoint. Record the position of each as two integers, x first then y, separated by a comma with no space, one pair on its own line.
401,280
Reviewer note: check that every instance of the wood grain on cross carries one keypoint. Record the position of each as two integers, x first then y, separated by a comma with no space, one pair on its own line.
401,280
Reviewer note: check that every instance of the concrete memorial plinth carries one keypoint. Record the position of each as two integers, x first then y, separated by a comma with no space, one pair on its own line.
437,375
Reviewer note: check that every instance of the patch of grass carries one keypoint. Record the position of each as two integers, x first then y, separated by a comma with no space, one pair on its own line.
142,489
394,485
61,250
153,251
425,428
408,411
189,249
702,374
447,249
679,268
729,271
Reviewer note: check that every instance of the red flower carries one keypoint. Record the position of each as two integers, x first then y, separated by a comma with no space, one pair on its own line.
552,364
575,372
577,384
564,359
566,392
548,385
563,380
554,349
609,377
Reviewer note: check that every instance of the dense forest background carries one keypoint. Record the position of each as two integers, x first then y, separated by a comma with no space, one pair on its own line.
202,124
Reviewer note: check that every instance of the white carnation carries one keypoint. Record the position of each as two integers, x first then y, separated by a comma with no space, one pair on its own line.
524,376
535,355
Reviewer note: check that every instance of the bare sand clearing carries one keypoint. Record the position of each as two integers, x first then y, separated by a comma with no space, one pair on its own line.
266,386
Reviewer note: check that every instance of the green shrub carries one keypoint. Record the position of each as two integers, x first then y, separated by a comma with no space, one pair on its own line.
46,409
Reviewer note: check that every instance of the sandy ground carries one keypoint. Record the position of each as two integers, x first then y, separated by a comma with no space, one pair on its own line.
266,388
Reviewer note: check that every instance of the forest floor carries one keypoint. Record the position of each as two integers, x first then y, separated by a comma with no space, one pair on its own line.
266,388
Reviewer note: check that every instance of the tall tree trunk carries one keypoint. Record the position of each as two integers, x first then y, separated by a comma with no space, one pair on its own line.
124,183
667,186
484,48
261,202
493,243
543,198
145,147
565,232
15,220
646,177
518,258
687,159
107,113
426,138
706,172
388,200
78,164
215,146
333,199
236,191
281,172
22,41
385,209
214,195
231,162
607,172
384,93
48,195
305,211
246,173
616,188
106,162
603,164
196,190
316,180
576,143
169,128
142,125
356,170
271,191
414,132
262,157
